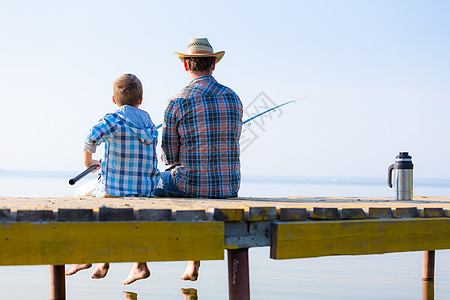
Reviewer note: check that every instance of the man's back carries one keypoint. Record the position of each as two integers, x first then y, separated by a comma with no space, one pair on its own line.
202,130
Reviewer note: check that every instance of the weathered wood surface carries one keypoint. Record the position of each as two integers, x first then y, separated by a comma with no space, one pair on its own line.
358,237
236,223
59,243
235,209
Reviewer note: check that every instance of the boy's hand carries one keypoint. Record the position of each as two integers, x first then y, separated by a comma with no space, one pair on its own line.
88,161
94,163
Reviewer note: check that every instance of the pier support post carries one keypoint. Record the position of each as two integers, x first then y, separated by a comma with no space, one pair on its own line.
427,289
428,265
57,283
238,274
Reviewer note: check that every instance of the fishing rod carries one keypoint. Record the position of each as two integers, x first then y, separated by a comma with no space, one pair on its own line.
260,114
92,168
269,110
82,174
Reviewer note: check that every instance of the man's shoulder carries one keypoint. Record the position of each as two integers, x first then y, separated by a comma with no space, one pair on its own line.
200,88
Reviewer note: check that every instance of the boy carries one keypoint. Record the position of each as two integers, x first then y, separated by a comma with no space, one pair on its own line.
129,164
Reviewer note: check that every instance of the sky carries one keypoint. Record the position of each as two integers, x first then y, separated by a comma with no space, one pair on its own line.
375,74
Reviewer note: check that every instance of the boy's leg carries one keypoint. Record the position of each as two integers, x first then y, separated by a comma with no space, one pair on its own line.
100,271
77,267
138,271
86,189
191,272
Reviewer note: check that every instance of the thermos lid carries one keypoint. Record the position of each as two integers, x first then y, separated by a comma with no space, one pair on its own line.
403,161
403,155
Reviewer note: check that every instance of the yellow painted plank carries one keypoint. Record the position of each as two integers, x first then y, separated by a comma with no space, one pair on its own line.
266,213
228,214
88,242
358,237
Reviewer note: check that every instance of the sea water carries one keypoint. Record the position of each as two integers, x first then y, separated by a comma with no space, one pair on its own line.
386,276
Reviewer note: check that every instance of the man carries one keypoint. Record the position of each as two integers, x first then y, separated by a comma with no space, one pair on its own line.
200,138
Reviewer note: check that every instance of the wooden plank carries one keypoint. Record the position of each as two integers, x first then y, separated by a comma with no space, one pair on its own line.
352,214
261,213
30,215
227,214
292,214
431,212
61,243
380,213
5,215
81,215
406,212
358,237
154,214
115,214
190,215
325,213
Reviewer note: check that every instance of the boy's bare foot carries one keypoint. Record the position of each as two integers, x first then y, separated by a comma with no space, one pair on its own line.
76,268
191,272
100,271
138,271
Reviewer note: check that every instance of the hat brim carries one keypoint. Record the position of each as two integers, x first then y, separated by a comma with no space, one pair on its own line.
217,55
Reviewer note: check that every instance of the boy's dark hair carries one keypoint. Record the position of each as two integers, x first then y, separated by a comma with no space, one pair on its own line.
127,90
200,63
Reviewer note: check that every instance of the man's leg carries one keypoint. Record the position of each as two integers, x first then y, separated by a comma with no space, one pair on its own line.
191,272
167,188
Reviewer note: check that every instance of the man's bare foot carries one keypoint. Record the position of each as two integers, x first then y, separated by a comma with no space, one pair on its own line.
100,271
138,271
76,268
191,272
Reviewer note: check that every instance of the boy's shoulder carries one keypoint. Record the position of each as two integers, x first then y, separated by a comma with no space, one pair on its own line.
111,117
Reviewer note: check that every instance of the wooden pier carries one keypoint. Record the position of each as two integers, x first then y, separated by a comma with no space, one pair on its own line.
60,231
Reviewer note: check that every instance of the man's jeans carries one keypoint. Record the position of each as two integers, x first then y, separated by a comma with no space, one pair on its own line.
166,187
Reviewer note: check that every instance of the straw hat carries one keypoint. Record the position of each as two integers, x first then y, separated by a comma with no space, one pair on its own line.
200,47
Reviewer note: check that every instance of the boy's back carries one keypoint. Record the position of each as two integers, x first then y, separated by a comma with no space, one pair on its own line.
129,163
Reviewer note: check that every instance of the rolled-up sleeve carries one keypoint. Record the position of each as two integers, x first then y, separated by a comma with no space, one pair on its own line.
170,144
101,132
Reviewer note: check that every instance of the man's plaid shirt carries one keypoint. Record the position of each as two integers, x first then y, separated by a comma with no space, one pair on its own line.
129,163
201,131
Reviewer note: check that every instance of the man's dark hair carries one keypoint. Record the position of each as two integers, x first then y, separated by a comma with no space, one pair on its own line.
200,63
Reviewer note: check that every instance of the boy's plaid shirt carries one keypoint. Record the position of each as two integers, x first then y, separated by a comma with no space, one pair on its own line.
201,131
129,163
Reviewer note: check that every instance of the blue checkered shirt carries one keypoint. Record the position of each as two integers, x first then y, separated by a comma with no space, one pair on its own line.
201,131
129,163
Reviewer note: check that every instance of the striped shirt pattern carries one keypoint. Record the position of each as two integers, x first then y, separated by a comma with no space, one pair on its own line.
201,131
129,163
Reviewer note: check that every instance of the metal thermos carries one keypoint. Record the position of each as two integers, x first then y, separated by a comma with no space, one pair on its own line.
403,176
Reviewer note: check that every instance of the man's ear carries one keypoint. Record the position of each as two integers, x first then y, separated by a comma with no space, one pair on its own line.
186,67
140,101
213,66
114,100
